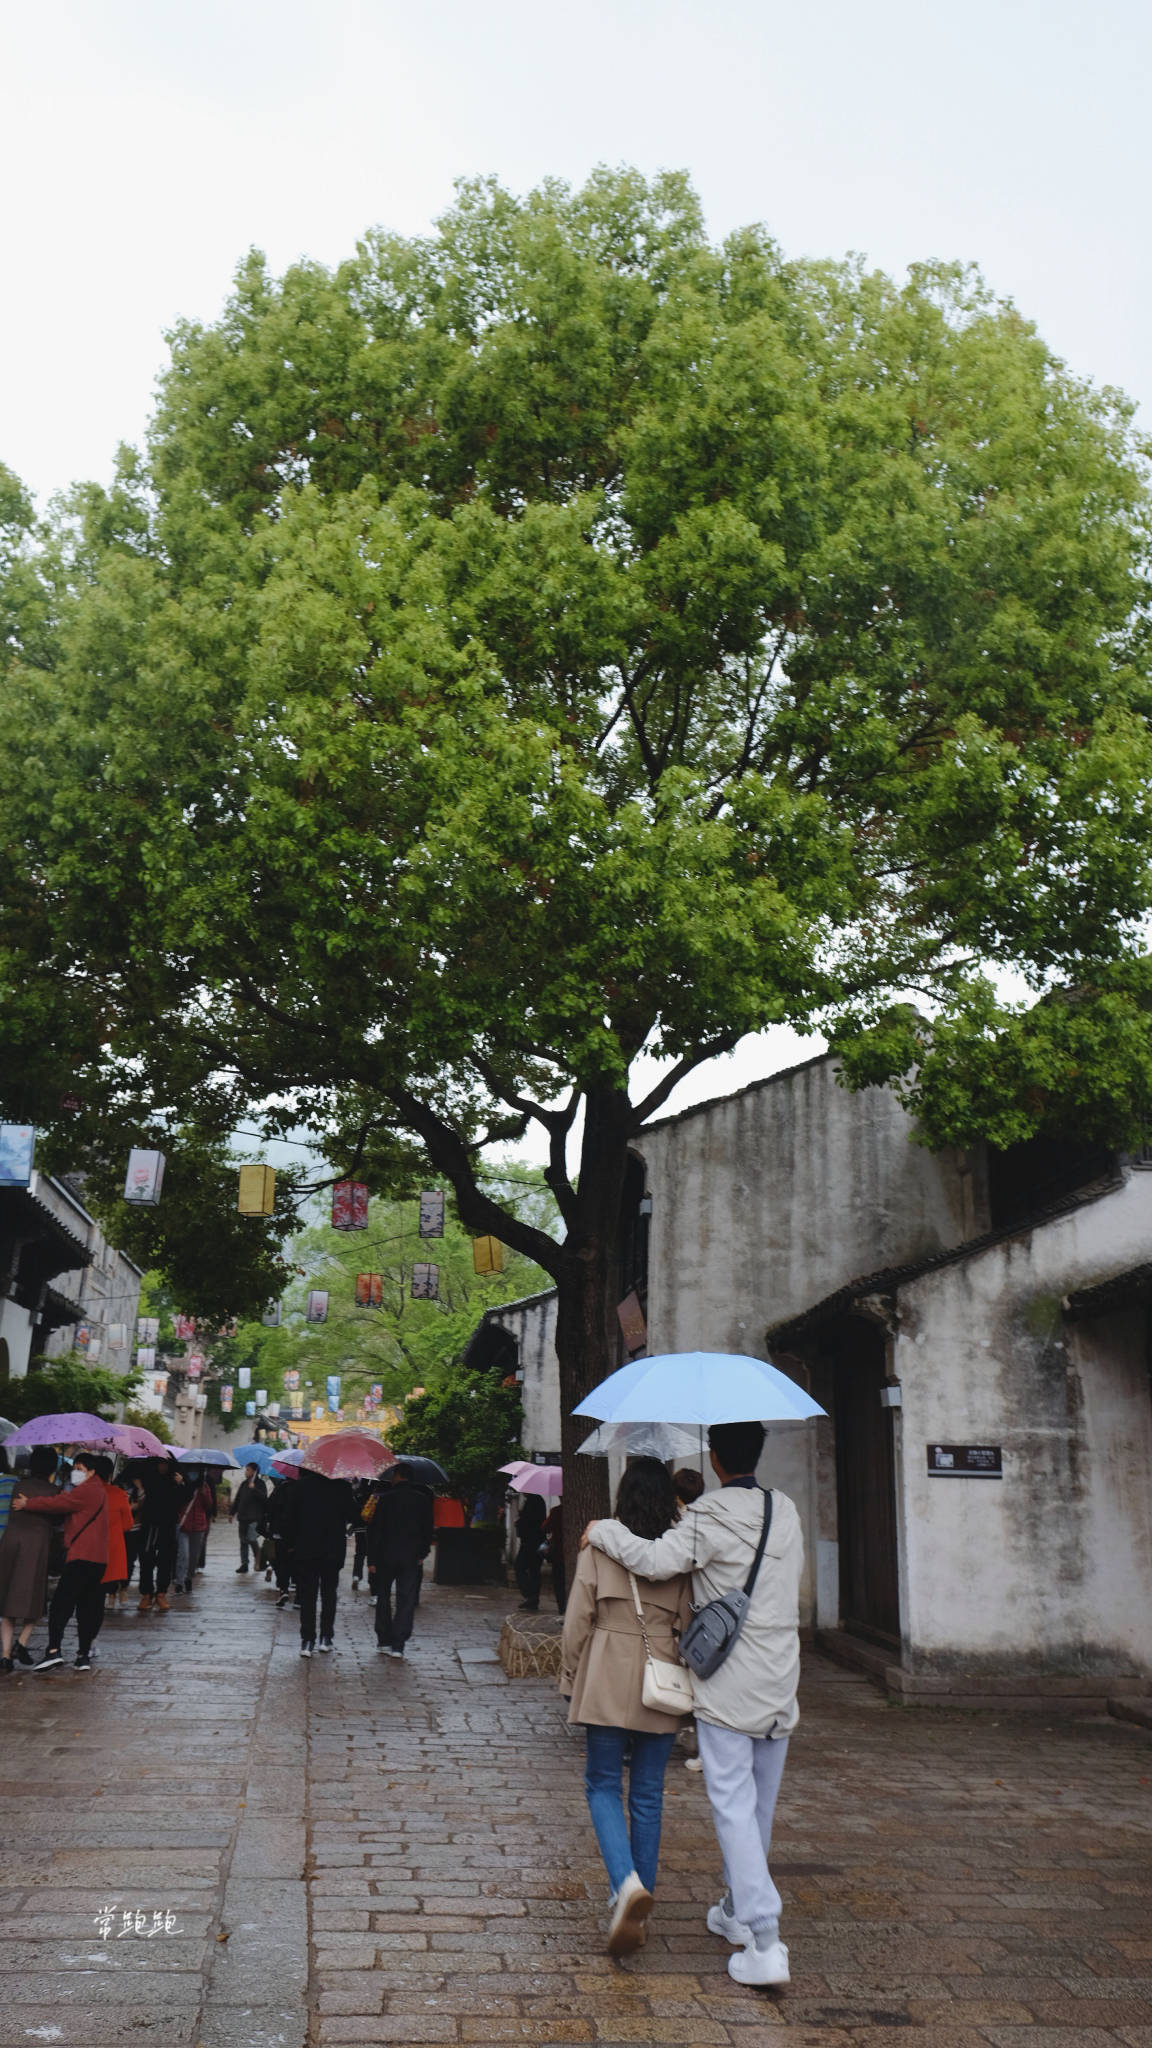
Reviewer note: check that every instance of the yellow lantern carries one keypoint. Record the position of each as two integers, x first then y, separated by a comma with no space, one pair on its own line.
487,1255
257,1191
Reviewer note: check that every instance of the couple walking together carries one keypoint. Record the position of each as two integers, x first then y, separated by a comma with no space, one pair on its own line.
745,1712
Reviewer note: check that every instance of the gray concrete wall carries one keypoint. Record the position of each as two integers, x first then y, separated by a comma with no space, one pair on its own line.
1049,1569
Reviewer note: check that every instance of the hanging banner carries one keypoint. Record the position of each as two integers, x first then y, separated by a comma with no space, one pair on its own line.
425,1282
257,1193
184,1327
146,1357
369,1290
16,1146
272,1315
350,1205
487,1255
244,1378
225,1400
333,1392
145,1177
147,1329
432,1213
317,1309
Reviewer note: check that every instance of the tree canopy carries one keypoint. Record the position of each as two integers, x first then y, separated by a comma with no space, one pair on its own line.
560,637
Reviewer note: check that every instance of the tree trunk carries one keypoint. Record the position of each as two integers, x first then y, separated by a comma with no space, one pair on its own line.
588,1289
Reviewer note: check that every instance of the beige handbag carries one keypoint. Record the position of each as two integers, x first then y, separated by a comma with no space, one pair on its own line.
667,1688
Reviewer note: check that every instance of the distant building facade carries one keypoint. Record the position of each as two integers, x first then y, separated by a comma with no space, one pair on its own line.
63,1287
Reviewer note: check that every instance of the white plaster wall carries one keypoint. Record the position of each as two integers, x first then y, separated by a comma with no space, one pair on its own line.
16,1330
766,1201
1051,1567
533,1324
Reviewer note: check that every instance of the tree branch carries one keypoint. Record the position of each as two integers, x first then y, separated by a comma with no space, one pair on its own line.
451,1156
658,1095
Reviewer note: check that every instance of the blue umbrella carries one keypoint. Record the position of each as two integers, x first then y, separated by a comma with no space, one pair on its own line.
701,1387
254,1454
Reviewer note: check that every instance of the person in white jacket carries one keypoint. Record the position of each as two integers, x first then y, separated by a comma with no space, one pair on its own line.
747,1710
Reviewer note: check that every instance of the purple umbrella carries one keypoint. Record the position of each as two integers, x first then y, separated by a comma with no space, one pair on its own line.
59,1429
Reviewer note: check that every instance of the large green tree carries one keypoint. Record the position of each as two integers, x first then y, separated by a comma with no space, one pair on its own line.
555,639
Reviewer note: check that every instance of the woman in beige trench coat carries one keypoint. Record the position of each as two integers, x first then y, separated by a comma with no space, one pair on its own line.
603,1673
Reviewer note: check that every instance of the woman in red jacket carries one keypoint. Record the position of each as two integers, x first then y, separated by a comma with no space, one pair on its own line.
80,1589
119,1524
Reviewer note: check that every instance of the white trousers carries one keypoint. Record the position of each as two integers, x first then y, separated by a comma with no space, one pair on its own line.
742,1774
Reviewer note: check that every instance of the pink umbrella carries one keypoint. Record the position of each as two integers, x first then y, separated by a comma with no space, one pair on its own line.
76,1428
130,1440
348,1454
545,1479
288,1463
516,1465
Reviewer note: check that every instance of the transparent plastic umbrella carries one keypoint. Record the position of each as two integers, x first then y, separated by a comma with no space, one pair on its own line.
663,1440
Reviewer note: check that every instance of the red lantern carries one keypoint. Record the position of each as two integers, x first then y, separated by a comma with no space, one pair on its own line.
350,1205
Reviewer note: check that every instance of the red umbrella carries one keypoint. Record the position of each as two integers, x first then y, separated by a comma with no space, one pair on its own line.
348,1454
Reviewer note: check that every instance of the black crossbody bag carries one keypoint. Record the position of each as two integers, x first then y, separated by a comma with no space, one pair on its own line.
711,1634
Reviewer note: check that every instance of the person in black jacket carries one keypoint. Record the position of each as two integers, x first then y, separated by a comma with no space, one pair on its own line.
316,1518
399,1539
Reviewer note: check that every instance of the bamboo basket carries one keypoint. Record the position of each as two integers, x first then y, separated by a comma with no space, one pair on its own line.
529,1645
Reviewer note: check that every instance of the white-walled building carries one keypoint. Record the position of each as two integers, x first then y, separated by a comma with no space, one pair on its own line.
978,1504
62,1285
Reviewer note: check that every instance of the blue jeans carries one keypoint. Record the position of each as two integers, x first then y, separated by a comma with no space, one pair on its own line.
623,1847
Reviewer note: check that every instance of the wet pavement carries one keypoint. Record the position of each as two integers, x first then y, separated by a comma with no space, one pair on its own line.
208,1840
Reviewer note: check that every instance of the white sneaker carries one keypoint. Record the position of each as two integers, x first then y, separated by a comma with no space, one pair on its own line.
325,1645
305,1649
626,1928
693,1763
722,1920
752,1965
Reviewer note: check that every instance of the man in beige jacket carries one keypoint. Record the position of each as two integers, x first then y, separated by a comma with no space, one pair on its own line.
747,1710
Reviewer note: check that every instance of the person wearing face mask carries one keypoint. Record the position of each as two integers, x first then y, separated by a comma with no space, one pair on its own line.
83,1507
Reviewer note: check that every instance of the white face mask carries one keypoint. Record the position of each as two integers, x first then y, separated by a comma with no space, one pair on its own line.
79,1474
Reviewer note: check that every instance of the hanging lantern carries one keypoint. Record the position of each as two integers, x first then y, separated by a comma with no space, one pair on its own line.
261,1397
291,1380
117,1335
272,1316
147,1329
425,1282
185,1327
16,1142
369,1290
226,1400
317,1309
377,1394
194,1364
249,1407
487,1255
145,1177
333,1392
432,1213
146,1357
257,1195
350,1205
244,1378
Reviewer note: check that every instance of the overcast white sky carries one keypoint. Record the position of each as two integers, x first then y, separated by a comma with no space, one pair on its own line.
146,144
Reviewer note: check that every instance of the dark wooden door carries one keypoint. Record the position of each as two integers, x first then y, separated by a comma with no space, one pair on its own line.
865,1489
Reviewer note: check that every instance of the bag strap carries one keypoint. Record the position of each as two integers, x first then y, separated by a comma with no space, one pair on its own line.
640,1614
750,1581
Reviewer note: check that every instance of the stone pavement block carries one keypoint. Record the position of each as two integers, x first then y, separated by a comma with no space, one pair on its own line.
647,2028
407,2029
533,2030
232,2026
106,2028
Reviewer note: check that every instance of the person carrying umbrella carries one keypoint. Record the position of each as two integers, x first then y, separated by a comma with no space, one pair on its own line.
24,1549
163,1501
80,1588
399,1539
746,1711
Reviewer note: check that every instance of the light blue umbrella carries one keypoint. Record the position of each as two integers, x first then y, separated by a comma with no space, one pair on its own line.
255,1454
204,1457
701,1387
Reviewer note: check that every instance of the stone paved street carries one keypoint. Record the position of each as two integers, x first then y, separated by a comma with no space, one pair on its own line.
354,1850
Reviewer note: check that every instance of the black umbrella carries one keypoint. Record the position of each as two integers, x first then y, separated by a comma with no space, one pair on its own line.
425,1469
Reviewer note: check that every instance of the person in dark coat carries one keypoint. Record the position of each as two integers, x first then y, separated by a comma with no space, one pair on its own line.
24,1549
399,1539
163,1505
278,1522
247,1509
317,1514
529,1539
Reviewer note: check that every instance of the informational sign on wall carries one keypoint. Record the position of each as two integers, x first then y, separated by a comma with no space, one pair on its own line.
965,1461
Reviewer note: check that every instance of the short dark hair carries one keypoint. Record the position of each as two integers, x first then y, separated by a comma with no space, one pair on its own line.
737,1445
689,1485
88,1458
42,1463
104,1467
646,1498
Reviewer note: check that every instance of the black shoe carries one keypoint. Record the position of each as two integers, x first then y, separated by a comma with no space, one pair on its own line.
284,1600
240,1570
5,1664
22,1653
49,1661
82,1664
